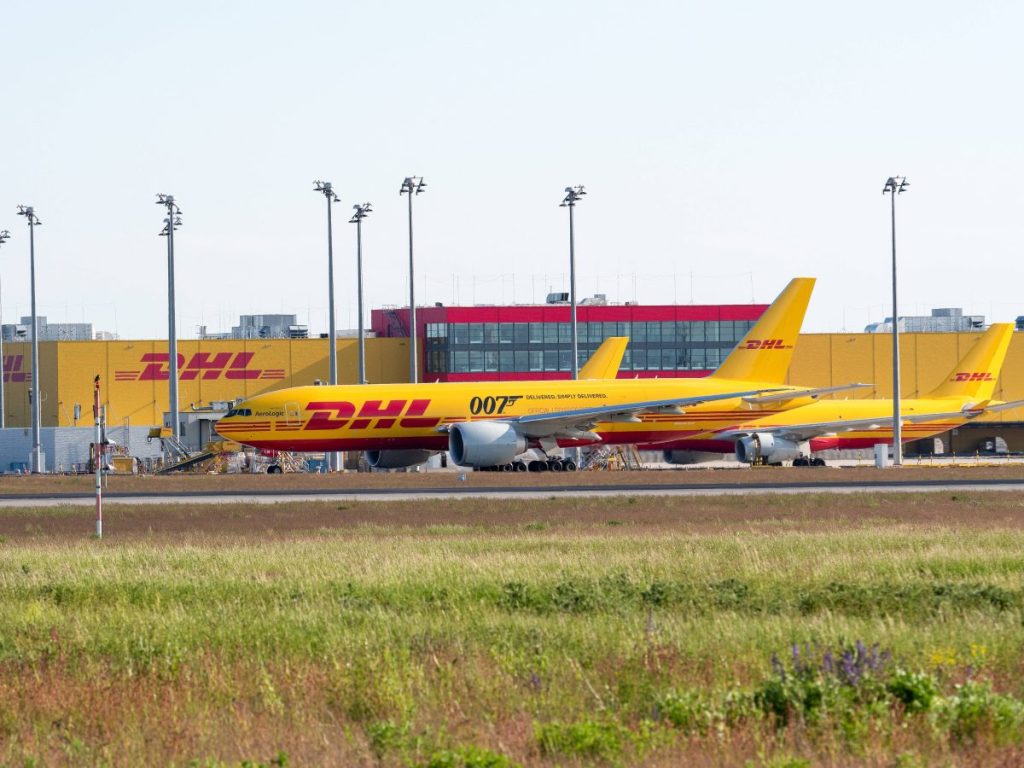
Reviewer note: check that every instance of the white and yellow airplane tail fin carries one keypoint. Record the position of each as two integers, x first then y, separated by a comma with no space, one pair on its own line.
765,352
974,377
605,362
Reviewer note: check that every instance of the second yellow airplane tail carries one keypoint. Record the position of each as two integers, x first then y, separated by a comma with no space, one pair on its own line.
605,362
765,352
974,377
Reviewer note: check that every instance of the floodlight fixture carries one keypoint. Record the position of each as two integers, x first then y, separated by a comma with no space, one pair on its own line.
572,196
29,212
326,189
412,185
897,184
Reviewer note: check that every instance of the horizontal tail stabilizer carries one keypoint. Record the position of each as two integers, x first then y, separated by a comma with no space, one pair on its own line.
797,394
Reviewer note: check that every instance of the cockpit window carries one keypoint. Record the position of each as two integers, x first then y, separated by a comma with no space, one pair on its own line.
239,412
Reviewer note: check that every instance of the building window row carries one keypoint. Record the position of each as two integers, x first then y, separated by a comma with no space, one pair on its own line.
439,359
682,331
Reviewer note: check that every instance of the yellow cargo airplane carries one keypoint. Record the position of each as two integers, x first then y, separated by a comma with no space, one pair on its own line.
797,433
494,423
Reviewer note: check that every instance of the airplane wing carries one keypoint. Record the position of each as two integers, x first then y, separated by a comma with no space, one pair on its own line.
796,394
1004,406
801,432
577,423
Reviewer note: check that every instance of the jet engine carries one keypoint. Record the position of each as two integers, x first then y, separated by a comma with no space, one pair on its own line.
484,443
766,446
398,459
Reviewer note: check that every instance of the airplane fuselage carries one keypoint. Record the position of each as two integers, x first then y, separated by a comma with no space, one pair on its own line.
393,416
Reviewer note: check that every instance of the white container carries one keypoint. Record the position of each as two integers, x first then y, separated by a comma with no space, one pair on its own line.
881,455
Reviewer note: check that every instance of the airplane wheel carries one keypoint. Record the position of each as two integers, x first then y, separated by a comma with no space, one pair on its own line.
507,468
817,462
800,462
520,466
556,466
570,466
274,469
538,466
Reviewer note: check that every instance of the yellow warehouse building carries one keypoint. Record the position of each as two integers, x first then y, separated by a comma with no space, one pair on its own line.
134,373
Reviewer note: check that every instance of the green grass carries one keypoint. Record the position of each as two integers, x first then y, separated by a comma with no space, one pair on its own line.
453,645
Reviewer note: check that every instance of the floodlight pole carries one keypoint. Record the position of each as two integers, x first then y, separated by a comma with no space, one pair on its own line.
36,457
361,212
412,185
4,237
98,455
327,190
895,185
171,223
572,195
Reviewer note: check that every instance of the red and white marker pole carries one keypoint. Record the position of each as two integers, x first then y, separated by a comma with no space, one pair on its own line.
98,456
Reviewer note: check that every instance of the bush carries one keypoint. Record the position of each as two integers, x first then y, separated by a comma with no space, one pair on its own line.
688,711
975,707
586,738
917,690
468,757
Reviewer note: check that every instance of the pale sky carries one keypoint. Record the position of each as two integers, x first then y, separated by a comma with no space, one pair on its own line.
725,147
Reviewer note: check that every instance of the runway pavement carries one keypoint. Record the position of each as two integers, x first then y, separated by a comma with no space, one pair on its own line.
458,490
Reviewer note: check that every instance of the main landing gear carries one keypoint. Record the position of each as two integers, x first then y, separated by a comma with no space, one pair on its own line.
547,465
808,461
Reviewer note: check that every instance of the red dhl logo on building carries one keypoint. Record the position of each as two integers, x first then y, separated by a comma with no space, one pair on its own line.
341,414
12,369
973,376
208,366
766,344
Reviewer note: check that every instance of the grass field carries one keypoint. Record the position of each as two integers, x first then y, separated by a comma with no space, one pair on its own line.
780,630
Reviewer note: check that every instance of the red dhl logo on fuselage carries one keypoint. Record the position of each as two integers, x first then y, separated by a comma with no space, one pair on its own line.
340,414
973,376
12,369
208,366
766,344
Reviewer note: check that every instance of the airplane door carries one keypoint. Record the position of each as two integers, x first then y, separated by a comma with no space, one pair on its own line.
292,414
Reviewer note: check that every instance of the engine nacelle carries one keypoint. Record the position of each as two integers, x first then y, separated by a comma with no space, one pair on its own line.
484,443
399,459
689,457
765,445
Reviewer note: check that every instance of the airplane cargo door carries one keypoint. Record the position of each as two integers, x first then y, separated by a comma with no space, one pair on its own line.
292,414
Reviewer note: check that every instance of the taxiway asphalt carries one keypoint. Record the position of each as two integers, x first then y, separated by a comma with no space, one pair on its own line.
467,490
